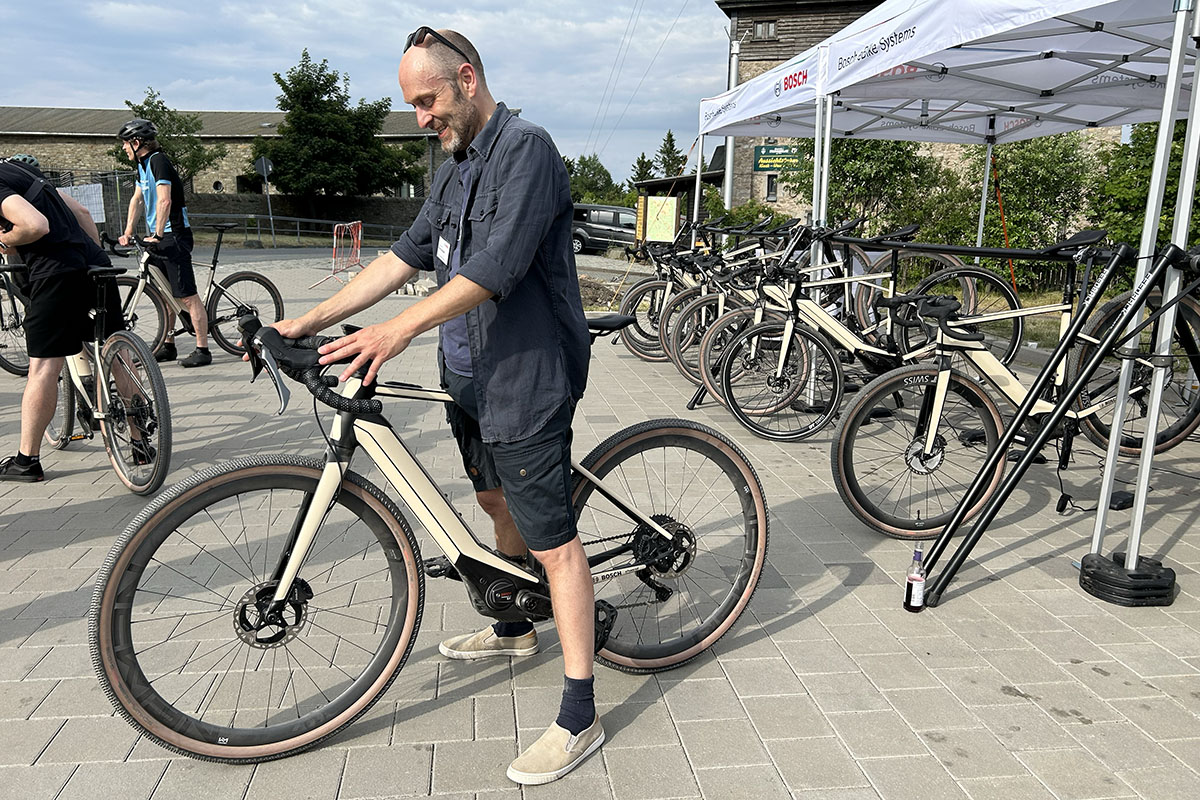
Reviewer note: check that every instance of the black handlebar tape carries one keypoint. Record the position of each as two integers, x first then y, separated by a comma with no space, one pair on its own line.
319,384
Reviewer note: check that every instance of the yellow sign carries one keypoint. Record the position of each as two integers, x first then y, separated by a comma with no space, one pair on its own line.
661,218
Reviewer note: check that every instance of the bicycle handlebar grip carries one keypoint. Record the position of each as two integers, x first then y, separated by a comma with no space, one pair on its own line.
319,385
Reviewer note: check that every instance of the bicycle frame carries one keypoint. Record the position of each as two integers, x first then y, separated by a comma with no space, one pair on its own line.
428,503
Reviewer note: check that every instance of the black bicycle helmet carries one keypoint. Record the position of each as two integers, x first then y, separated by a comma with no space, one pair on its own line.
141,129
25,158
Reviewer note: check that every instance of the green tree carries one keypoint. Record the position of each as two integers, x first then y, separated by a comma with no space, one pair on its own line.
642,170
325,147
177,135
591,182
1123,185
669,159
890,183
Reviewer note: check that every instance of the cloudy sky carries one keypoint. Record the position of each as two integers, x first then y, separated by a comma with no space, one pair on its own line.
553,59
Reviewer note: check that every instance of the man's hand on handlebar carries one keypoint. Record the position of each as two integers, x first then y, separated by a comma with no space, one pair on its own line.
374,344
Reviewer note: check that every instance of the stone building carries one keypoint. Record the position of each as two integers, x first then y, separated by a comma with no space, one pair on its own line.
81,138
770,33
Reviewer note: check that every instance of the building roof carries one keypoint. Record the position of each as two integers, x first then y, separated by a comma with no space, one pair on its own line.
104,122
682,184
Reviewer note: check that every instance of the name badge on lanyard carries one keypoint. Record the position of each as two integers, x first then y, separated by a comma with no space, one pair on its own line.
443,251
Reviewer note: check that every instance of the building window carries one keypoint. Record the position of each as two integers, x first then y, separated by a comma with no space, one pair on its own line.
772,188
764,29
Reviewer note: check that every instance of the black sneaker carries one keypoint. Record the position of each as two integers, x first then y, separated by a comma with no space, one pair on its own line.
165,352
143,453
10,470
198,358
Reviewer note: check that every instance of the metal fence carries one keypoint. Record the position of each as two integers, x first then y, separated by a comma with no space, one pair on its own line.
288,231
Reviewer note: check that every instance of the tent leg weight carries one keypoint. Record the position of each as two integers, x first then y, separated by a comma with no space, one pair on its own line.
1150,584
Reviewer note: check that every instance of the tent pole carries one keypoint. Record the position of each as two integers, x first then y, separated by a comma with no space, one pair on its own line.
735,47
1154,203
987,177
1166,326
818,177
827,149
696,201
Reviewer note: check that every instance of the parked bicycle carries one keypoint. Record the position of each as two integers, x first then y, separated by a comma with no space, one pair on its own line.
913,440
260,606
115,386
151,310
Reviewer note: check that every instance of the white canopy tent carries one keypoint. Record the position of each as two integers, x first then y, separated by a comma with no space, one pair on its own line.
964,71
996,70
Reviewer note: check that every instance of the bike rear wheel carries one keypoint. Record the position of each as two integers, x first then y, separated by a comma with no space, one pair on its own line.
14,357
779,387
150,317
62,424
240,294
136,425
1179,414
693,323
694,482
879,463
982,294
175,632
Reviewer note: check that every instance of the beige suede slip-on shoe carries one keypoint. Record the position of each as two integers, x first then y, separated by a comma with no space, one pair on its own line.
555,754
485,644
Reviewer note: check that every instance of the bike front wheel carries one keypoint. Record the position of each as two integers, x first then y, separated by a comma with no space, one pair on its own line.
14,357
644,303
696,484
177,637
779,386
884,470
240,294
149,316
136,424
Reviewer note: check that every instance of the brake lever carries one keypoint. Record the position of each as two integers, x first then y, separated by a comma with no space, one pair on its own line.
260,358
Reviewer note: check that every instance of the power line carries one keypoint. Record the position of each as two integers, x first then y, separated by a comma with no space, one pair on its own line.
611,70
617,82
644,74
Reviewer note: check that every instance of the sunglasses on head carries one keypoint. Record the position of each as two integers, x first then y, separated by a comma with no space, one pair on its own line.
417,38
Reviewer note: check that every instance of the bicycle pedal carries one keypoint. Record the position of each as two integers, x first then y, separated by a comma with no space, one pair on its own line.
79,437
440,567
606,617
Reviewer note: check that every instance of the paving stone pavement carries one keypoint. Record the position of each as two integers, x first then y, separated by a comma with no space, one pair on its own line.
1018,686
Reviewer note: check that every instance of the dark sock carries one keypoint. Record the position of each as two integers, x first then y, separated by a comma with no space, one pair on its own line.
512,628
24,460
578,709
202,349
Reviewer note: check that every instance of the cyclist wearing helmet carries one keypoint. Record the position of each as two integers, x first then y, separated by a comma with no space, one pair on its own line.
25,158
161,194
57,240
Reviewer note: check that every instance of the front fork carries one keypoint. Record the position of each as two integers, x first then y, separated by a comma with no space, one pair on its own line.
315,507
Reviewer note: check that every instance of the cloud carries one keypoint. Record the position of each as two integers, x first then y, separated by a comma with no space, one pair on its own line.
548,58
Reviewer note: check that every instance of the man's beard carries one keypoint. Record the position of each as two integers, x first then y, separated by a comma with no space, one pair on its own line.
462,124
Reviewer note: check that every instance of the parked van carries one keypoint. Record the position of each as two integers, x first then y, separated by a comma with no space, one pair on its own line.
600,227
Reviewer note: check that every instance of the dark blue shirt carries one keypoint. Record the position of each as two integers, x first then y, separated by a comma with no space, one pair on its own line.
456,348
529,344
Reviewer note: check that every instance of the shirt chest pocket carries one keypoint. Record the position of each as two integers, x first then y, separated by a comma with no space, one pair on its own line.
480,218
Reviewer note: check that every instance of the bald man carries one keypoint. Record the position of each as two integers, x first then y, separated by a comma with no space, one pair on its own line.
513,353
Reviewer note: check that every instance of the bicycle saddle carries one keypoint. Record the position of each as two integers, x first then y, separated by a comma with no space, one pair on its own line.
607,323
905,234
1077,242
223,226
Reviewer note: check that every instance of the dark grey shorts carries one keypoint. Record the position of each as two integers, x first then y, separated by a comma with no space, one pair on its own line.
535,473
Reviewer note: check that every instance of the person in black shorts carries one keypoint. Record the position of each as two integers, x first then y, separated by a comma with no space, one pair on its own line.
57,240
160,192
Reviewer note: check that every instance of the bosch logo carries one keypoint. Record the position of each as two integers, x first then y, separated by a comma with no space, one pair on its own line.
793,81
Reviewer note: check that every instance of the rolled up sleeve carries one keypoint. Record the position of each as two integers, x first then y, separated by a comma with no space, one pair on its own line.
526,205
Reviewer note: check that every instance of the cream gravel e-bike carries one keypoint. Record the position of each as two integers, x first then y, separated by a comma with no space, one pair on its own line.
262,605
